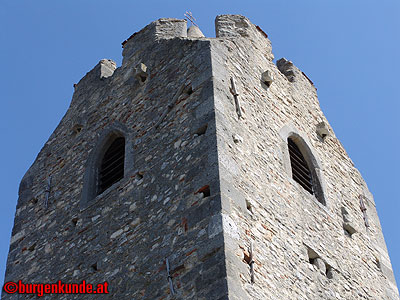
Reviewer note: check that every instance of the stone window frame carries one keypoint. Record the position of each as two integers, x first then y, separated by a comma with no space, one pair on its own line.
91,175
313,162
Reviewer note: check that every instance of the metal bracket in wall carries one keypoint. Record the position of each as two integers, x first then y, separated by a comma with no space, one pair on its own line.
251,263
171,285
170,105
47,191
236,97
364,210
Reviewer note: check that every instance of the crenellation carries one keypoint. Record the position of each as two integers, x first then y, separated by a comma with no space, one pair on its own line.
148,36
237,26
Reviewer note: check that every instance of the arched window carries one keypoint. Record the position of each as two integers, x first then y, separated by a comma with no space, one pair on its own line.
300,170
302,164
111,168
110,160
304,171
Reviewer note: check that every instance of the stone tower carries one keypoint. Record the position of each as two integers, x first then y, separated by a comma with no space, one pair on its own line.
199,169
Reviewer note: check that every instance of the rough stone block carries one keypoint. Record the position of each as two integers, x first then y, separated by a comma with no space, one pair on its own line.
141,73
195,32
267,78
320,264
107,68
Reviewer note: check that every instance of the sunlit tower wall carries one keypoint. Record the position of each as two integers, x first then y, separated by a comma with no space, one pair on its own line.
198,169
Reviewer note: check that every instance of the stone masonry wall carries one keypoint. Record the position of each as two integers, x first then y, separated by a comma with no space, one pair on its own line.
160,209
301,250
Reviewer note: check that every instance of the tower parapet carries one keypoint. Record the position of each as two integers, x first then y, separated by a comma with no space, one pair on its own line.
166,28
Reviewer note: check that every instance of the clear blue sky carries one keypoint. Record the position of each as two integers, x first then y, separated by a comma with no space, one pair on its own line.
349,49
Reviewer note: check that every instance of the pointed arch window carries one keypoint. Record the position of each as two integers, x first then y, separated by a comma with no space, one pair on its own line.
300,170
112,165
304,169
302,164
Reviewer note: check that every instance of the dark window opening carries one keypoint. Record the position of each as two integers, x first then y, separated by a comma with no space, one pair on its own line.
329,271
312,255
189,90
139,175
246,257
349,230
248,206
142,78
94,267
346,232
205,190
378,263
320,263
76,129
32,247
300,170
74,221
206,193
112,165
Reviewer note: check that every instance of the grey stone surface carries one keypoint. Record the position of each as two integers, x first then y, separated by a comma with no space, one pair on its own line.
267,78
194,32
199,184
284,216
107,68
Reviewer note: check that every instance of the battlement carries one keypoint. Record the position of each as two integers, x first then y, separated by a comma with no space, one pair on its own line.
160,29
226,26
166,28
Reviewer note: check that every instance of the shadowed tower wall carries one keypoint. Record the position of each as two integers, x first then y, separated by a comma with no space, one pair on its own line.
207,188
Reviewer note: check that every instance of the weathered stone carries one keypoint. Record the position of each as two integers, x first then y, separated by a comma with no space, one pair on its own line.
141,73
322,130
319,264
237,138
267,78
194,32
107,68
116,234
